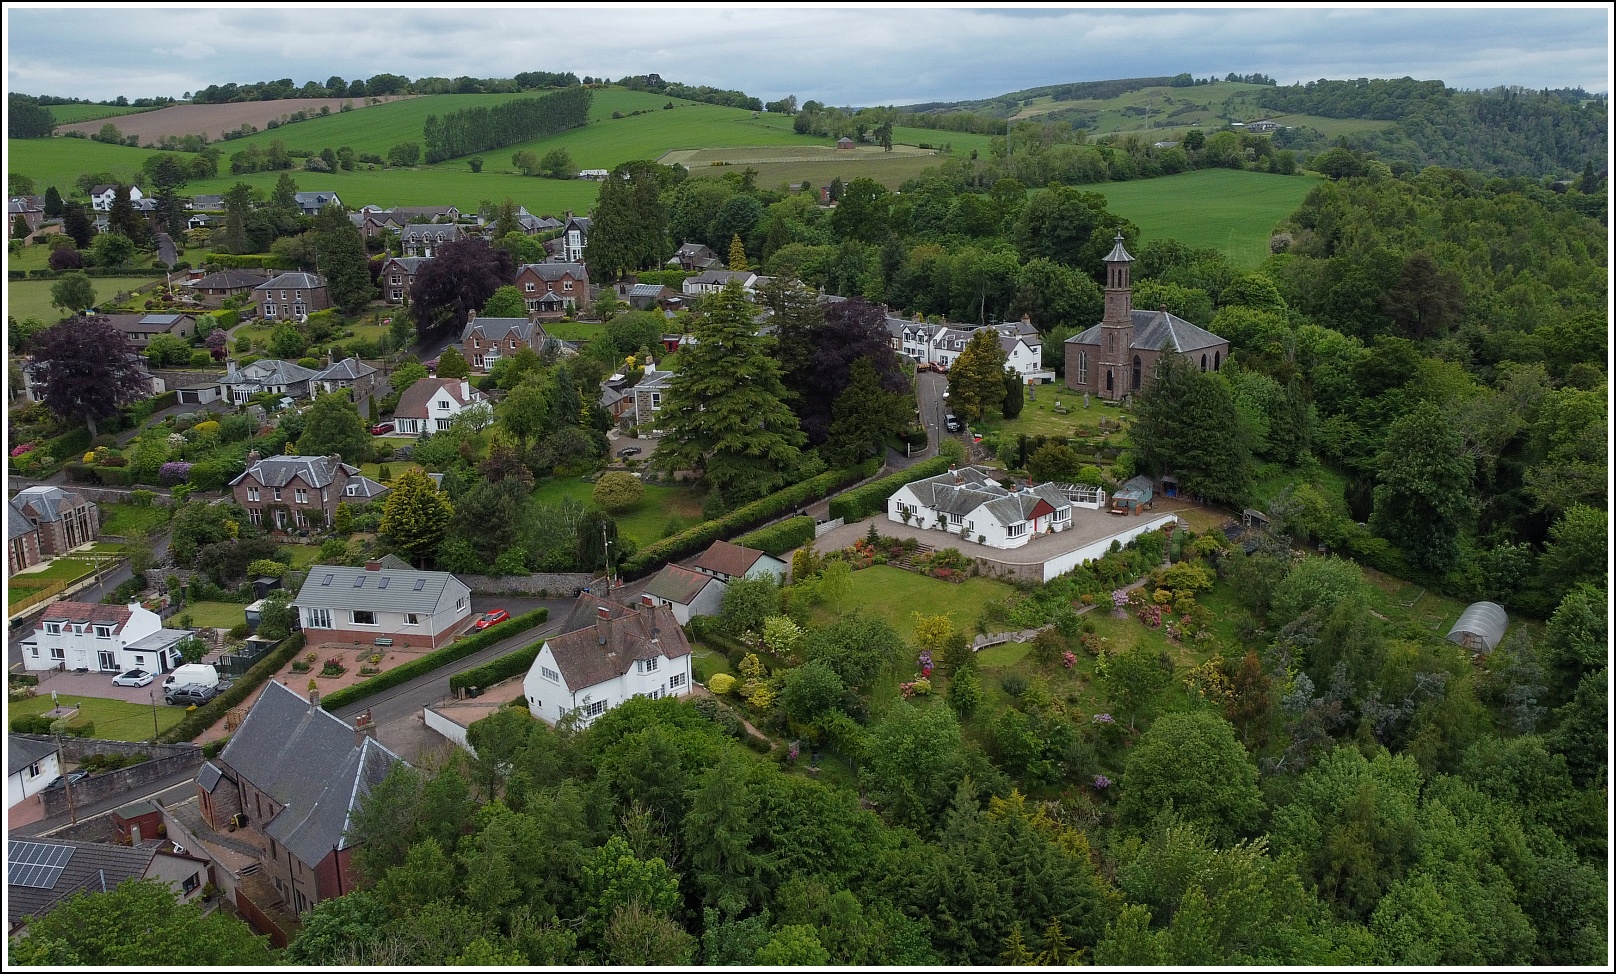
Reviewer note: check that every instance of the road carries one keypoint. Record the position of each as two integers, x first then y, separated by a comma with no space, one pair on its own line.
166,251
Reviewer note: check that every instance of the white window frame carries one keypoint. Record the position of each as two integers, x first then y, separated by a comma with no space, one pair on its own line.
646,665
676,681
103,632
593,709
354,614
300,495
252,493
318,618
58,653
53,628
412,618
1015,530
550,675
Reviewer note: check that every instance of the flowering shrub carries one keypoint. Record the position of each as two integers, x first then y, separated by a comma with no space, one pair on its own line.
1068,659
1151,615
1119,598
1092,643
174,472
916,688
751,667
22,448
1102,782
1102,719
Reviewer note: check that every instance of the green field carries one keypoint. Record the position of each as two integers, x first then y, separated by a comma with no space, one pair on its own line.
31,299
1227,209
58,162
573,331
647,521
68,114
125,519
894,595
114,720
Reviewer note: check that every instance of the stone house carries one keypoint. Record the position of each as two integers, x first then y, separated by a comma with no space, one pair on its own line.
63,519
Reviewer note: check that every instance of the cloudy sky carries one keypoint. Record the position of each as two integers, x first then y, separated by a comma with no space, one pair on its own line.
844,55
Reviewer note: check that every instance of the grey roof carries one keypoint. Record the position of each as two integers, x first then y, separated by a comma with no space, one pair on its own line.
1138,488
975,489
435,231
48,501
23,751
348,369
384,590
306,760
365,487
232,278
499,329
610,397
159,640
163,320
318,198
1118,253
722,277
1152,329
293,279
679,585
16,524
411,264
268,371
93,867
581,222
1483,624
279,471
209,776
555,270
647,290
391,560
207,201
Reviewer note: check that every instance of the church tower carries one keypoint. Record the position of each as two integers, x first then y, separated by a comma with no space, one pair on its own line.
1116,328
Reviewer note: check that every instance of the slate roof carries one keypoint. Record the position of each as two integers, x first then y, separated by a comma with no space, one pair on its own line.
724,558
445,232
347,370
87,613
233,278
555,270
94,867
208,201
383,590
977,490
316,199
305,759
411,265
291,279
23,751
679,585
279,471
268,371
16,524
722,277
499,329
600,650
413,403
365,487
1152,329
47,501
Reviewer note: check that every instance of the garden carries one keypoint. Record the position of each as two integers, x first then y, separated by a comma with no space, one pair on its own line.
111,720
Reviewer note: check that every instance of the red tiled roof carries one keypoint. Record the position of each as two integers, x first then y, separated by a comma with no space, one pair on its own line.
86,612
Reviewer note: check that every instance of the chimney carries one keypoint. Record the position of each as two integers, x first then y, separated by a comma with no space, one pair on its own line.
314,698
603,621
364,728
471,316
465,390
253,456
373,566
1026,318
647,601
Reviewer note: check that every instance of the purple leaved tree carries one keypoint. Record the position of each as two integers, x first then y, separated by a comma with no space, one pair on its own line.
87,370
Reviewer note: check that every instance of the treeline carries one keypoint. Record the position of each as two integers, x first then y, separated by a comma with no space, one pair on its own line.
26,118
479,129
728,97
380,84
954,122
1364,98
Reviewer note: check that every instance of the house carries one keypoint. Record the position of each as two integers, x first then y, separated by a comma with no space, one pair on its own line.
968,502
34,389
265,375
207,201
426,239
940,345
553,287
382,606
31,765
428,405
594,174
485,341
397,277
64,520
614,400
103,196
22,542
727,562
89,636
536,224
644,297
42,874
574,238
844,144
373,220
1115,357
649,392
687,593
291,296
350,374
606,654
226,283
693,257
1262,127
713,281
140,329
312,203
32,213
292,778
286,492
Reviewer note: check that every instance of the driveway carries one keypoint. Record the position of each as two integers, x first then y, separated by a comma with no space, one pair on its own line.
71,686
931,408
166,251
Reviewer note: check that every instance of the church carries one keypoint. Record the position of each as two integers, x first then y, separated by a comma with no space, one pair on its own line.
1116,357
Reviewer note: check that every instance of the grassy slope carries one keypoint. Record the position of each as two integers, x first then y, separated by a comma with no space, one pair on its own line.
646,521
68,114
1224,208
894,595
31,299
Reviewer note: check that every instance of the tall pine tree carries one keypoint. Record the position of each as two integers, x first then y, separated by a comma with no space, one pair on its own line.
342,260
1186,423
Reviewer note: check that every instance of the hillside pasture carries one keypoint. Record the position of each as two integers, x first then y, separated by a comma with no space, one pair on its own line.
211,120
58,162
70,114
890,171
1227,209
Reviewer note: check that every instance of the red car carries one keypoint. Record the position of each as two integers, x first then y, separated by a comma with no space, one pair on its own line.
491,619
381,429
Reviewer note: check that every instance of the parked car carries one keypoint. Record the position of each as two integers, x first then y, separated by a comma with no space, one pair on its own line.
953,423
493,618
71,778
133,678
382,429
629,451
188,695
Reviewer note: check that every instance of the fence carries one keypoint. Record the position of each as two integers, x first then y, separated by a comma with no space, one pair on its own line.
39,595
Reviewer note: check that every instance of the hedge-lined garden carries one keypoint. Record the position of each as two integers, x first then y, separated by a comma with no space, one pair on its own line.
210,713
451,653
870,499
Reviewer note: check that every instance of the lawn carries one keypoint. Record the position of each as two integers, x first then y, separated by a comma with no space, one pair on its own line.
706,661
894,595
114,720
215,615
649,519
1038,415
1232,211
69,569
303,555
32,299
126,519
573,331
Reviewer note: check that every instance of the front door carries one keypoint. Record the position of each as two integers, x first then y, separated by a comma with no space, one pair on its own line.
109,661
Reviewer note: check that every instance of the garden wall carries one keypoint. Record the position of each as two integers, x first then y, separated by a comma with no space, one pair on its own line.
167,760
557,584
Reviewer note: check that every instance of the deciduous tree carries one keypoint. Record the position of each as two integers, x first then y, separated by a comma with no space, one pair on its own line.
333,426
138,923
1422,498
87,370
73,293
461,278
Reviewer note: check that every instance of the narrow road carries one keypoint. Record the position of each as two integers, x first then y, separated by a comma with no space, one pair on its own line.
166,251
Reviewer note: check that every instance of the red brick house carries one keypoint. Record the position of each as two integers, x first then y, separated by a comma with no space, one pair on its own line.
551,289
485,341
397,277
22,542
291,296
62,519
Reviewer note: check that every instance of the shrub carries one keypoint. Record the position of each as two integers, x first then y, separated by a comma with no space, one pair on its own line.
720,683
871,498
777,539
618,492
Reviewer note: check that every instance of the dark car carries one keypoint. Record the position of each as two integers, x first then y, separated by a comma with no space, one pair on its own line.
71,778
192,694
953,423
629,451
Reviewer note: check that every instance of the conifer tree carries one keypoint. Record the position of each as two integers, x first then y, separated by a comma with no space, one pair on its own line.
737,254
416,516
976,379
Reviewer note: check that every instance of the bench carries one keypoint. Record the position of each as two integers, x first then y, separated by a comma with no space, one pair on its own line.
384,641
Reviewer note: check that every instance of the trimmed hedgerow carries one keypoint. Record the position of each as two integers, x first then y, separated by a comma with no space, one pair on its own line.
861,502
499,669
777,539
451,653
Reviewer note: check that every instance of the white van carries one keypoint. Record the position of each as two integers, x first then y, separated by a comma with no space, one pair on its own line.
198,674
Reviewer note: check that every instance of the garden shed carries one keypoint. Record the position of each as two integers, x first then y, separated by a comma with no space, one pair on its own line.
1134,496
1480,627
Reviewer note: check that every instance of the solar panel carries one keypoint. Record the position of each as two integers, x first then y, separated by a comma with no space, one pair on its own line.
36,865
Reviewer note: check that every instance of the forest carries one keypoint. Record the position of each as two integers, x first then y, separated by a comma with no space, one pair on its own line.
508,123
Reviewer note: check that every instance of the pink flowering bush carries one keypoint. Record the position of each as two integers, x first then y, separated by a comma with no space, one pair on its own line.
21,448
174,472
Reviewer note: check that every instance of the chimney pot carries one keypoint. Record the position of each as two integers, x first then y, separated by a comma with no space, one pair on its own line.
373,566
603,612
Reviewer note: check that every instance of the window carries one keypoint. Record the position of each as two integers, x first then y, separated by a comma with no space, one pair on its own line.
549,674
277,493
1138,372
269,310
33,770
300,495
443,404
443,424
646,666
252,493
192,883
103,632
410,618
528,287
1109,384
460,603
956,519
317,619
1082,368
513,343
478,362
364,617
283,295
302,519
397,279
54,628
566,285
1217,361
1203,363
676,681
255,515
1016,530
280,517
594,709
476,343
58,653
1064,514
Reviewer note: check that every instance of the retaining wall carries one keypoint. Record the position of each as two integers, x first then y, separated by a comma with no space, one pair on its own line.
166,760
558,584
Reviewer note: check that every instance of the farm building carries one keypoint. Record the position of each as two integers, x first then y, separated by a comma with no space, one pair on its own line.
1480,627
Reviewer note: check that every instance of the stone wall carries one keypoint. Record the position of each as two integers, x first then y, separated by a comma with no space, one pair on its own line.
556,584
166,761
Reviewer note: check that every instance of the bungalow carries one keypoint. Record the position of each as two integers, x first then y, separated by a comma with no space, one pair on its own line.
381,606
142,328
426,239
554,286
290,781
62,519
31,765
103,196
225,283
645,297
350,374
485,341
606,654
43,874
713,281
106,638
265,375
536,224
291,296
397,277
687,593
207,201
428,405
728,562
312,203
967,502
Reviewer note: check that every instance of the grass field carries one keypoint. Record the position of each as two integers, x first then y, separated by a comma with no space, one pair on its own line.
647,521
1232,211
215,615
68,114
114,720
573,331
890,171
1038,416
126,519
894,595
58,162
25,584
31,299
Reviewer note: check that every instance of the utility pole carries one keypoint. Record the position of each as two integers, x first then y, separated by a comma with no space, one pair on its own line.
153,693
606,545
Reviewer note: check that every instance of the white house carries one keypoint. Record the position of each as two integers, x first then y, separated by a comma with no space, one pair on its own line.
428,405
941,344
608,653
713,281
381,606
969,503
31,765
575,239
727,562
103,196
685,592
105,638
265,375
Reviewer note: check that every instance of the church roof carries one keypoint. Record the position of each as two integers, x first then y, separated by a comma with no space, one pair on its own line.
1152,329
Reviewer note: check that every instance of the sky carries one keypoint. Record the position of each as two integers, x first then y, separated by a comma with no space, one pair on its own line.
838,54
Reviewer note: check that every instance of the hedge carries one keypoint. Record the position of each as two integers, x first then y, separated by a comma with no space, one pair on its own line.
777,539
214,710
227,318
693,539
251,261
496,670
861,502
451,653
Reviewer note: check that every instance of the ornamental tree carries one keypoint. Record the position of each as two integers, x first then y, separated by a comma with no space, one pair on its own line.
87,370
976,379
416,516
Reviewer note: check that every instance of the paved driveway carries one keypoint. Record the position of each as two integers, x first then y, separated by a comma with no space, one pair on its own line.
71,686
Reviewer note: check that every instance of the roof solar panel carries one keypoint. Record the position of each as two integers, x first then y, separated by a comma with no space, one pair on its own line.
36,865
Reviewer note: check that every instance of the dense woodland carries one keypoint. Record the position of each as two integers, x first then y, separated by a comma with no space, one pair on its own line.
508,123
